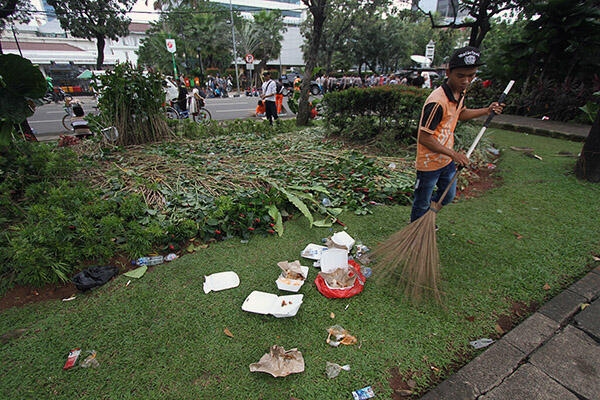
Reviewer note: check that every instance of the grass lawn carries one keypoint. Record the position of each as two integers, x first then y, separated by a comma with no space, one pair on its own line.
162,337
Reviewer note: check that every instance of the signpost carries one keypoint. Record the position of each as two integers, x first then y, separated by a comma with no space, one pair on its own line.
430,50
172,48
250,65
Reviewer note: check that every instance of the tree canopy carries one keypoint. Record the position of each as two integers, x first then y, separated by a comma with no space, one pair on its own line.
94,19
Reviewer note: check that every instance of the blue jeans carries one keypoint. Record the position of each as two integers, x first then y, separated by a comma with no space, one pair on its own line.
426,182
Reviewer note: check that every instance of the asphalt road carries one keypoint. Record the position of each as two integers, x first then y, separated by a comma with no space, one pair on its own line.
47,120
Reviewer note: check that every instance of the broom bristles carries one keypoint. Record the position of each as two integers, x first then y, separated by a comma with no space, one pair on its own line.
412,253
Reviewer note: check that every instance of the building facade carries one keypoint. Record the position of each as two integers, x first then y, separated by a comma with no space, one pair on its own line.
63,57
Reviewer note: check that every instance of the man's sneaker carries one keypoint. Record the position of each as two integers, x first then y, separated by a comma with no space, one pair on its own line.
437,228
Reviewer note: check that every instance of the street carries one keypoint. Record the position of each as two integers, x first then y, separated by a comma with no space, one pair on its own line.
47,120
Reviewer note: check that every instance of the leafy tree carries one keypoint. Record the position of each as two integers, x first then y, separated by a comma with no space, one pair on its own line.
480,14
20,83
203,39
94,19
11,11
588,164
269,28
343,17
317,9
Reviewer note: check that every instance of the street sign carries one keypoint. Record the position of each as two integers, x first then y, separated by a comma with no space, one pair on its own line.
171,46
249,67
249,58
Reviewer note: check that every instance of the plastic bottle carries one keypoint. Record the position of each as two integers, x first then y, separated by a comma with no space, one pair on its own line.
148,261
326,202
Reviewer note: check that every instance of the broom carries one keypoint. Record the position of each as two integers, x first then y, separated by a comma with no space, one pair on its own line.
413,250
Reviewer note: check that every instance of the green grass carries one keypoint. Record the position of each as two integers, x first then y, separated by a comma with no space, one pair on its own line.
162,337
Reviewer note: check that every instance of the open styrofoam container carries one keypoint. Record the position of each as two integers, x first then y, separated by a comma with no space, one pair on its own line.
291,285
221,281
333,259
313,251
343,239
268,303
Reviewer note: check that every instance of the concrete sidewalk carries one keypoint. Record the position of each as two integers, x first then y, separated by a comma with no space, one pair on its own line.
535,126
554,354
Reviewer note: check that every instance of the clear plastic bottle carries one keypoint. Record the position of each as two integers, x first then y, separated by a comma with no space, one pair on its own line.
148,261
367,272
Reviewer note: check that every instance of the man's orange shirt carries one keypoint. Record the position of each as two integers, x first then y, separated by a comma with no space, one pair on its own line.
260,109
438,118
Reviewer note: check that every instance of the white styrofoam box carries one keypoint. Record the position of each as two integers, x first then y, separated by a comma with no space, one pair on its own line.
343,239
291,285
221,281
333,259
268,303
313,251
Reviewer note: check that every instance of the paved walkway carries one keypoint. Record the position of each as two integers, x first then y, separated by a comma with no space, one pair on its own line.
536,126
554,354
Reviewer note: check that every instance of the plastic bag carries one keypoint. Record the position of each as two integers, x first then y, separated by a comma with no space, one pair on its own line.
94,277
354,269
90,361
338,335
333,369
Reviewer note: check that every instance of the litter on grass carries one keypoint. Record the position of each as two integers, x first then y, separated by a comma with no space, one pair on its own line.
363,394
278,362
481,343
292,277
170,257
136,273
72,358
338,335
278,306
90,360
94,277
221,281
70,298
313,251
334,259
333,370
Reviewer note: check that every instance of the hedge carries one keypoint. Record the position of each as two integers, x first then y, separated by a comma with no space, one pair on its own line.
380,115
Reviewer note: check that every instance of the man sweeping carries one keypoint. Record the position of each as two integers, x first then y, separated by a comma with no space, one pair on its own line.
436,160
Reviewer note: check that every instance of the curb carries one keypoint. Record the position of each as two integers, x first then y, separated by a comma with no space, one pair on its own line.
537,131
504,359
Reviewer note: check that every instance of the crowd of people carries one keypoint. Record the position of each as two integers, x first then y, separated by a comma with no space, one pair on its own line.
332,83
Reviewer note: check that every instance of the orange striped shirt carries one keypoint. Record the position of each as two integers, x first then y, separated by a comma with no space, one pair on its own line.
438,118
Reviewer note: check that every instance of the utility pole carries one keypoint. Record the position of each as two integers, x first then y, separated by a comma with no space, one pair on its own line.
237,75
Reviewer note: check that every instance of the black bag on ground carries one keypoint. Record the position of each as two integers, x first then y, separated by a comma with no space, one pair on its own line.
94,277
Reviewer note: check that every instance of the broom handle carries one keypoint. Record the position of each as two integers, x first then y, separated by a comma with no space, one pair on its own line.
475,142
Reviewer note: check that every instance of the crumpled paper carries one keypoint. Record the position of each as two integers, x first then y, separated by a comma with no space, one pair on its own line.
291,270
279,362
339,279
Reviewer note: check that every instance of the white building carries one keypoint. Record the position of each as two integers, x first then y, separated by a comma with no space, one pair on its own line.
57,53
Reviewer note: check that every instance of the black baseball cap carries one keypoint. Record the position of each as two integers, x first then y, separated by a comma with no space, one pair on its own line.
465,57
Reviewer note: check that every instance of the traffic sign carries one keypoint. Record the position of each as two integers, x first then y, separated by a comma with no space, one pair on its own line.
249,66
249,58
171,46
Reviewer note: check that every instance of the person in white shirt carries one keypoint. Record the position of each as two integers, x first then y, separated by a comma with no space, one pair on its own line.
269,90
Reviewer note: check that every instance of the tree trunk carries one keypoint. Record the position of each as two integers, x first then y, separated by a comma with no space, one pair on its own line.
100,46
588,164
318,19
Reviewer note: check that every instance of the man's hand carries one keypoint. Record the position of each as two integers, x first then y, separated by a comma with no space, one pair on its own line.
460,159
496,108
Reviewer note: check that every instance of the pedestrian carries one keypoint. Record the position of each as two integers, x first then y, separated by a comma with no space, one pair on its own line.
182,99
269,89
260,109
195,103
279,97
436,160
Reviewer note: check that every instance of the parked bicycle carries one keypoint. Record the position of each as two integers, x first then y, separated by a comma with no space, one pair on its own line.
172,111
66,119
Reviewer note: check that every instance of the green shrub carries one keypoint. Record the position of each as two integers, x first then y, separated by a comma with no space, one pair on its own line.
385,115
132,101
